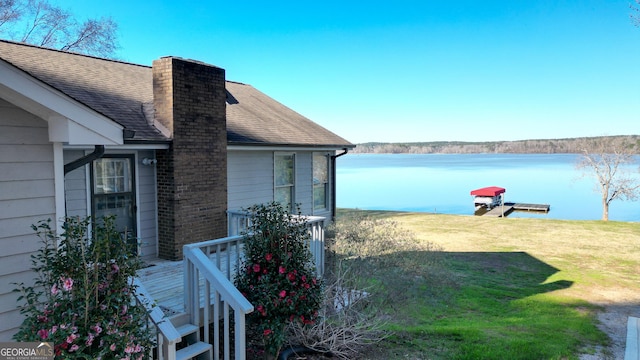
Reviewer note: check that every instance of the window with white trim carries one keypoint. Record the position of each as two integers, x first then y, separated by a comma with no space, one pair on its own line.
320,181
284,179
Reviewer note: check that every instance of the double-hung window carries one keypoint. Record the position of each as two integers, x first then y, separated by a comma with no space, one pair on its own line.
320,181
284,176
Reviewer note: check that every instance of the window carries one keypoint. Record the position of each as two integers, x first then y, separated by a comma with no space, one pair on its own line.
284,165
320,181
113,194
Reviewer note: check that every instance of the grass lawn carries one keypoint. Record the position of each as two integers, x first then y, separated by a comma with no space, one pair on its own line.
499,288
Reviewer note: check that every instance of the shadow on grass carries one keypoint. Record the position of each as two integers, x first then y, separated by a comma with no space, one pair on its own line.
488,305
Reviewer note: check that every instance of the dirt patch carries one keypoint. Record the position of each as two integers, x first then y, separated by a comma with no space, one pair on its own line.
618,305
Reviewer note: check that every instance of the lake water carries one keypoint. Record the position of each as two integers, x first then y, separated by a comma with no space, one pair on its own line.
441,183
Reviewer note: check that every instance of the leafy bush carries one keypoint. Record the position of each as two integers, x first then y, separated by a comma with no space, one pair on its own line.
83,300
364,236
278,275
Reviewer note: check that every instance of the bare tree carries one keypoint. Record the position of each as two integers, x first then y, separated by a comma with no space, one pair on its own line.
40,23
635,13
610,161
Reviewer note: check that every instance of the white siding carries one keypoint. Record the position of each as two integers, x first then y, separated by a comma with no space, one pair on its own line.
250,180
27,196
304,182
75,186
147,206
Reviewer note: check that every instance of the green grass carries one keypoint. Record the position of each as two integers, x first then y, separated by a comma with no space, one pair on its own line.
499,288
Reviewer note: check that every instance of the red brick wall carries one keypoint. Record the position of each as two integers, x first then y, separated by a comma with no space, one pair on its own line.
190,100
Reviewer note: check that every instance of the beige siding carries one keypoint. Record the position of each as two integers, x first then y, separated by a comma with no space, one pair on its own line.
26,197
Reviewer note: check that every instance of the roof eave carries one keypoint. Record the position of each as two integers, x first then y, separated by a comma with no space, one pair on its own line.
271,146
69,120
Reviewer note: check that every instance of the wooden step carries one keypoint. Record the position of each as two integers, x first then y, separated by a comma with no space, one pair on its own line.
187,329
194,350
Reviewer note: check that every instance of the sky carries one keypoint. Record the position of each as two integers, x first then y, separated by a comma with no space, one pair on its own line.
409,71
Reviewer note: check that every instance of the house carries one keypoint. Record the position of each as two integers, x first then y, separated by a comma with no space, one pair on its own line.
169,149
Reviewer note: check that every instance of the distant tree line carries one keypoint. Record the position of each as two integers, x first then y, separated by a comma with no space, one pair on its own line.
538,146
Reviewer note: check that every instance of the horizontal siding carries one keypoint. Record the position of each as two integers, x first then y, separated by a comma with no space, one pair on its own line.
41,206
304,182
75,186
16,136
19,244
26,188
28,196
249,178
147,207
26,171
26,153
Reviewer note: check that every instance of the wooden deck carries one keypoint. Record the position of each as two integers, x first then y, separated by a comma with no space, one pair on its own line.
164,280
508,208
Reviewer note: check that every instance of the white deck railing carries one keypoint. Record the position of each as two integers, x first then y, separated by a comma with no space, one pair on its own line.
238,223
218,296
166,335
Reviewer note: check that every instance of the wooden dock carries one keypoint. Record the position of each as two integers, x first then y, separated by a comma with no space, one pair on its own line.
508,208
531,207
499,211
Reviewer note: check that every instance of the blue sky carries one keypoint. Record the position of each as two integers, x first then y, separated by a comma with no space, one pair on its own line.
410,70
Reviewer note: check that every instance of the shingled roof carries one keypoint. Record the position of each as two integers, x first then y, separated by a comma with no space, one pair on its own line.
122,91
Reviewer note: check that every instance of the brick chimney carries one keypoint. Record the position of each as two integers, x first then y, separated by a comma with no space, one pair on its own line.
190,101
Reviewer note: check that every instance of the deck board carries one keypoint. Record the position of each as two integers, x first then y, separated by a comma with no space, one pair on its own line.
498,211
164,280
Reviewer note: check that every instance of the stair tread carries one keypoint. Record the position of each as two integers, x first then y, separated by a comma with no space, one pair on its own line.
193,350
187,329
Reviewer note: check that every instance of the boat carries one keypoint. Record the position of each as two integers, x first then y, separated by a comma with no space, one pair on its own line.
488,197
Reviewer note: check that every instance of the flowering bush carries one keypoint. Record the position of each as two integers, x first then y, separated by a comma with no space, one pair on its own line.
278,274
82,300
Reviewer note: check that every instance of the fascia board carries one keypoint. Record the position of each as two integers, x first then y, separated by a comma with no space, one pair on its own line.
70,120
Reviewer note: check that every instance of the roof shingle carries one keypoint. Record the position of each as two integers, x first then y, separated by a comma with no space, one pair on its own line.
120,90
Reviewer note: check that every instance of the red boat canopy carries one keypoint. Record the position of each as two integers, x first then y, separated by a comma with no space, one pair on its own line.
488,191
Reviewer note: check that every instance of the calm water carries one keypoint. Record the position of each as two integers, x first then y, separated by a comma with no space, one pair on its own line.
441,183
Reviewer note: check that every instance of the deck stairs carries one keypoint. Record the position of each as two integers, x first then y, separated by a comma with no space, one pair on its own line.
177,338
193,346
212,323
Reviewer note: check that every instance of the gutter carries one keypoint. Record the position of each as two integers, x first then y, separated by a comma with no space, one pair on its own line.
97,153
333,182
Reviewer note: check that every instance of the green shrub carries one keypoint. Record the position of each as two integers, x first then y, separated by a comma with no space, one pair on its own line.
83,299
278,275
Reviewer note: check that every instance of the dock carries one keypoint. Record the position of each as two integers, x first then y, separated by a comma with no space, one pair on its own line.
531,207
508,208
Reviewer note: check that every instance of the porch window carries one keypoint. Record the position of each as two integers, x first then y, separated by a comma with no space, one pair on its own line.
284,175
320,181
